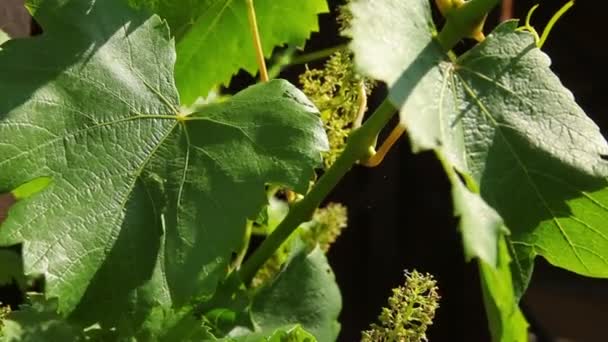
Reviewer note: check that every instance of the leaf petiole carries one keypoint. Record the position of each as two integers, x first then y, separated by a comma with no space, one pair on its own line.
462,20
288,58
317,55
386,146
257,41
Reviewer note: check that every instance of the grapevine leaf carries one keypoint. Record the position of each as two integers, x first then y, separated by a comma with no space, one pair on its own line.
274,314
229,307
39,321
476,217
7,200
305,293
409,59
138,188
405,57
295,334
284,334
522,266
218,30
506,320
535,153
167,325
503,119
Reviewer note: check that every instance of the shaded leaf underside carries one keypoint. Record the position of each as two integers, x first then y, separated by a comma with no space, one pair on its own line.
317,304
534,152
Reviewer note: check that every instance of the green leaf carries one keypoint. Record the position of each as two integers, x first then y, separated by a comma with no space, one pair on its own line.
228,308
168,325
538,158
506,320
38,321
214,40
521,267
479,224
295,334
405,54
138,189
284,334
275,314
501,118
305,293
23,191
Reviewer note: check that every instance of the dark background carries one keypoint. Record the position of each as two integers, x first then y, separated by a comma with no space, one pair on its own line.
400,213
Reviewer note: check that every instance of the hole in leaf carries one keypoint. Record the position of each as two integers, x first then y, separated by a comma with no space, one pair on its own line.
467,181
461,177
7,200
282,194
604,157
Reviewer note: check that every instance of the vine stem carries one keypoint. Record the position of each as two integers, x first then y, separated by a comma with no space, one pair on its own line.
288,58
317,55
506,11
386,146
238,260
460,21
457,27
356,149
362,106
257,41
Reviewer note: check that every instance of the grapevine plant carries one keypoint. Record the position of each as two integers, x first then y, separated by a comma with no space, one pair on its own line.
131,185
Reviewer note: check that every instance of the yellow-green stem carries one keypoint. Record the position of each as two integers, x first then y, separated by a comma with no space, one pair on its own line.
460,21
302,211
238,260
257,41
317,55
357,147
552,21
386,146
